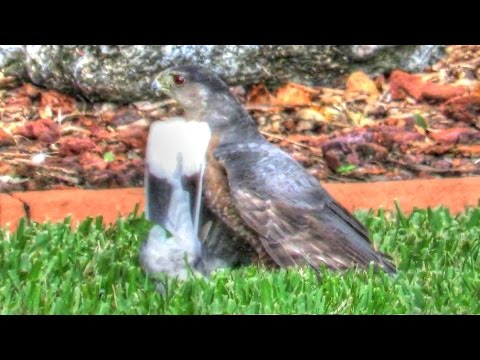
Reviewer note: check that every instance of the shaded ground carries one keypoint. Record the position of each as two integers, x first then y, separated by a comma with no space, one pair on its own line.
401,127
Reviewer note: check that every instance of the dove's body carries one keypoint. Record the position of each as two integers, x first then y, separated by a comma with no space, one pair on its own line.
175,160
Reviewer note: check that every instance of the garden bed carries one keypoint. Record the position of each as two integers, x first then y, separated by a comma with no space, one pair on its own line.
407,126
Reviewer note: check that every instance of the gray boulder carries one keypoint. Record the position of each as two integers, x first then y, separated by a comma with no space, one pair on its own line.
124,72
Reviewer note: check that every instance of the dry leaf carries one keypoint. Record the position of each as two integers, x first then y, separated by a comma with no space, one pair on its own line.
358,84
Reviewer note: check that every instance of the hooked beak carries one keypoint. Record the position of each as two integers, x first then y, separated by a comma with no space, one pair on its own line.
158,85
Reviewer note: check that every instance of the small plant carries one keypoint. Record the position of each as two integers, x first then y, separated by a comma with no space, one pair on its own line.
109,156
420,121
345,169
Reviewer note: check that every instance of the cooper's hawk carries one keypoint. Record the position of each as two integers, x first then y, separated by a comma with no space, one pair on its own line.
259,201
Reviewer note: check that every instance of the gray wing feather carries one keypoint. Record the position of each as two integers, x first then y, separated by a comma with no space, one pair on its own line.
299,222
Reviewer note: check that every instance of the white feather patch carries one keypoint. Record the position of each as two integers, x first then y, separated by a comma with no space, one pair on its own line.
167,139
175,148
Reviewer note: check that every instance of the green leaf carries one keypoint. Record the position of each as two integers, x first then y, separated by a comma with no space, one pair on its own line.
474,219
420,121
400,216
25,264
109,156
344,169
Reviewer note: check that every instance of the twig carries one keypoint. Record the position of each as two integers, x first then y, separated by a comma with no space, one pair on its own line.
73,115
338,125
50,169
70,128
14,155
148,106
282,138
264,108
66,178
344,179
306,88
420,168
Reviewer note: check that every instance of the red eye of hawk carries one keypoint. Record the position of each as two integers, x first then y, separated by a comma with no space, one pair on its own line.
178,79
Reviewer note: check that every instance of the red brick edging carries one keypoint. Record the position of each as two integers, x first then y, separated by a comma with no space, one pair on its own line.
455,193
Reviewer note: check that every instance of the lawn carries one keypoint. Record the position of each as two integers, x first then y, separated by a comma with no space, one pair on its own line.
94,269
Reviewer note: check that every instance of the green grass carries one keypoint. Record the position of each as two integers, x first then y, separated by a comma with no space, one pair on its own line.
50,269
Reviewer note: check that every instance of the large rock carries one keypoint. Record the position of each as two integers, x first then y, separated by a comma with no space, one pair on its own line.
124,72
12,60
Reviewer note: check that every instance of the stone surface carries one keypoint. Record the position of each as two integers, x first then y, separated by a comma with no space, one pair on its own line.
55,205
12,59
124,72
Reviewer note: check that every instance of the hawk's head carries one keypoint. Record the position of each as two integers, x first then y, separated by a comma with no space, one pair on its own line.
193,87
205,97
